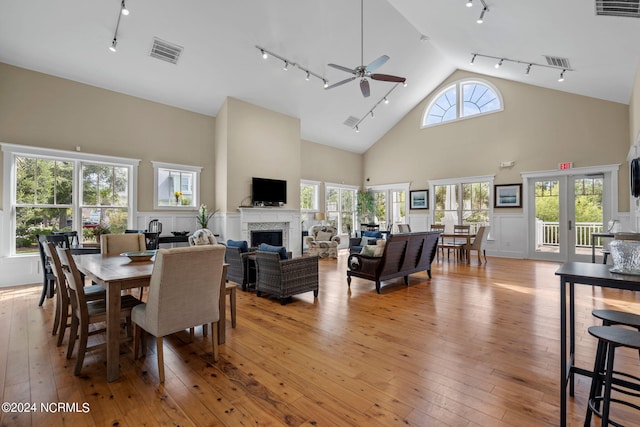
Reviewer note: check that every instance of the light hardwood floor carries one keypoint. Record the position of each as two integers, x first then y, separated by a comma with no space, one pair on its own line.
474,346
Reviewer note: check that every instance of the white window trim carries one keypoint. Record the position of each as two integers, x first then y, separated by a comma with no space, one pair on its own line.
9,193
196,170
317,201
458,85
464,180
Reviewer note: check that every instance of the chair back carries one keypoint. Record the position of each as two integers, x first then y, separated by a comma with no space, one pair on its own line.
203,236
437,227
404,228
462,229
315,229
115,244
70,236
51,255
481,237
184,289
155,226
75,284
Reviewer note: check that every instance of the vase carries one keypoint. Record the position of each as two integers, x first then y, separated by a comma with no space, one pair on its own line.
625,255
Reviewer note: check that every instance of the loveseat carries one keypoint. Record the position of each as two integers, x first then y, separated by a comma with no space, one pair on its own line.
403,254
323,241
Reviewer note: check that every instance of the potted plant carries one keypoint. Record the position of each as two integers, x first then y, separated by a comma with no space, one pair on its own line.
204,216
101,229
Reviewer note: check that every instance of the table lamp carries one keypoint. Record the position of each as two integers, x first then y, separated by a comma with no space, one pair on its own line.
320,217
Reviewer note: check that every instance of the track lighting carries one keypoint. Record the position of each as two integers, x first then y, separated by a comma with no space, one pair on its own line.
469,3
114,43
123,9
481,18
357,129
372,114
308,73
529,65
386,101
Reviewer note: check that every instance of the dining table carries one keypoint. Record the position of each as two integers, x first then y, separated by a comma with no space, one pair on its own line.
461,236
583,273
118,273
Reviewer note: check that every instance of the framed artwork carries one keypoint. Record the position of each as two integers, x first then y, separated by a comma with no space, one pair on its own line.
508,196
419,199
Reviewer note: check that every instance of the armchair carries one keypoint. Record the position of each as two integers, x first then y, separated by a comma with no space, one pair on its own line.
283,278
238,270
323,241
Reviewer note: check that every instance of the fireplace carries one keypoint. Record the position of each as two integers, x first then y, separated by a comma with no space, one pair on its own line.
270,237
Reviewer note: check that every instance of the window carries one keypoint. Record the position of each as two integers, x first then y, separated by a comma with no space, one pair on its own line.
309,195
390,204
176,186
54,190
462,202
464,98
340,202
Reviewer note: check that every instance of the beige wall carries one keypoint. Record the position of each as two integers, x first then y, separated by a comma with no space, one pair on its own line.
45,111
634,109
260,143
537,129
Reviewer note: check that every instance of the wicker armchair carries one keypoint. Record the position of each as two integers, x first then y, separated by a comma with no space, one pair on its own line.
284,278
238,271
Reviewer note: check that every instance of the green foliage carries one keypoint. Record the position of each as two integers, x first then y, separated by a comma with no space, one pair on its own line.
365,206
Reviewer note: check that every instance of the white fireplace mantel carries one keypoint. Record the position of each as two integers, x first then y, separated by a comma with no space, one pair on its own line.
288,220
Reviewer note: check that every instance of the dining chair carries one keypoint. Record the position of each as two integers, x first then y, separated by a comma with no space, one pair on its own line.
116,244
479,242
85,313
184,292
71,237
155,226
62,314
404,228
440,228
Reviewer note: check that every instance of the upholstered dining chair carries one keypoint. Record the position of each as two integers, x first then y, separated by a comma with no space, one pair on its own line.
404,228
115,244
62,314
184,293
479,242
85,313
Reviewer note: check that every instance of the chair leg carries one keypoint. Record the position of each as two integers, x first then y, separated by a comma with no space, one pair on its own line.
82,347
58,315
64,323
214,341
232,304
73,334
160,359
485,255
205,330
137,330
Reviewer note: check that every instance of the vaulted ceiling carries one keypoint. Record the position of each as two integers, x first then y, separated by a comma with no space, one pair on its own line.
426,41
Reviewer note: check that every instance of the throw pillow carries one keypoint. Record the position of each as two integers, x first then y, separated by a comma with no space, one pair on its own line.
368,250
323,236
365,241
379,248
242,244
374,234
278,249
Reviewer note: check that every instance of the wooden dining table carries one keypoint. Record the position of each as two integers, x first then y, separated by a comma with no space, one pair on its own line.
466,236
117,273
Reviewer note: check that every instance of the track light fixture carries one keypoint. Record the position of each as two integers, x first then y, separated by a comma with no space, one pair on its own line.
287,63
481,18
385,99
473,59
123,11
561,79
469,3
528,64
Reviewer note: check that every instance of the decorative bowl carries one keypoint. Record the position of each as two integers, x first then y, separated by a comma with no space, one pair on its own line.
139,256
179,233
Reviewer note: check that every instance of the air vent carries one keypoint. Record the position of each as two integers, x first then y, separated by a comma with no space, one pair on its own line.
627,8
165,51
351,121
556,61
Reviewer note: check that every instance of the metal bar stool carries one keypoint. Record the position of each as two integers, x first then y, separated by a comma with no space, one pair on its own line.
605,379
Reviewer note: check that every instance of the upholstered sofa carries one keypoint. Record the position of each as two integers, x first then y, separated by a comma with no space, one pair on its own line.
403,255
323,241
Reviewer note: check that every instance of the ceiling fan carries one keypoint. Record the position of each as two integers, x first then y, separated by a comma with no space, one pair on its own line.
365,71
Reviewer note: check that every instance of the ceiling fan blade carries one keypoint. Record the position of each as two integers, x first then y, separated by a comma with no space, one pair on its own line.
376,64
364,87
340,83
341,68
387,78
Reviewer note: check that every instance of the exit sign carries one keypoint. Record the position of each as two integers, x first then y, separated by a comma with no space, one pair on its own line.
565,166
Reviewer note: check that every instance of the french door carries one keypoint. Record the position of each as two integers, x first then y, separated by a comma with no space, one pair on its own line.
564,210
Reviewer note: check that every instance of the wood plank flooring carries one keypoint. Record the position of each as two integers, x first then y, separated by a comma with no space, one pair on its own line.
473,346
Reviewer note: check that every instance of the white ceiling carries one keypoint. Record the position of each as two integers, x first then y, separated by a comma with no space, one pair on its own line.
70,39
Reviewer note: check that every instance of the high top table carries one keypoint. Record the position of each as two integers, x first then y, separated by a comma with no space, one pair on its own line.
115,273
582,273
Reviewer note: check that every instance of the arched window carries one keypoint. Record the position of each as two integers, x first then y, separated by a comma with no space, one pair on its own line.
462,99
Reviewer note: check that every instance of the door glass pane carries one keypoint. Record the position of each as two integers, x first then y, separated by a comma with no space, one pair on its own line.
380,201
446,205
589,214
547,209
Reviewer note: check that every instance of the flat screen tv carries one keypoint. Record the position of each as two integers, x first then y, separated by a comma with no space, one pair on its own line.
268,192
635,177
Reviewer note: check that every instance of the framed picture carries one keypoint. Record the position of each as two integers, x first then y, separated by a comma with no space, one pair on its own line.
419,199
508,196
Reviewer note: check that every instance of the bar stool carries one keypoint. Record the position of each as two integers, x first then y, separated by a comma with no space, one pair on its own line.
609,339
616,317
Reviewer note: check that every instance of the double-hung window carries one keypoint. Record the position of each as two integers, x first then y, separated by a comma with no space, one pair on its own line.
176,186
463,201
309,196
53,190
340,204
